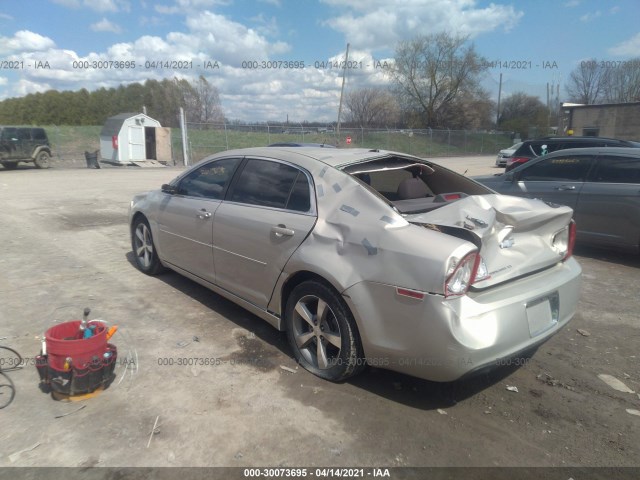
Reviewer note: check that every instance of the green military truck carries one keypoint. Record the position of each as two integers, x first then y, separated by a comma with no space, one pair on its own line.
24,144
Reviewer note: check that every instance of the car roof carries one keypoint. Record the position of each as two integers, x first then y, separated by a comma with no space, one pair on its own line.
333,157
576,139
295,144
629,151
626,151
572,137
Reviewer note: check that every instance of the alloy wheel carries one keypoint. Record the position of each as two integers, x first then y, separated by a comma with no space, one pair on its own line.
143,245
317,332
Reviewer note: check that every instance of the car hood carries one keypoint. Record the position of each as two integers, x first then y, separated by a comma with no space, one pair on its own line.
514,235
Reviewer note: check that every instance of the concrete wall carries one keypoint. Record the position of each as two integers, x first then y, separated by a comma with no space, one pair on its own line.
615,121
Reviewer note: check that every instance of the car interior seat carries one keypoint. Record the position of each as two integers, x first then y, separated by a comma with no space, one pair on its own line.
410,188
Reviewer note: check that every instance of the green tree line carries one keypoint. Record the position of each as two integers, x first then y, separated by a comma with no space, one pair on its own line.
162,100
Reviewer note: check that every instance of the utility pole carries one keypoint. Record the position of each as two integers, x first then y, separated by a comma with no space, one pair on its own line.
548,104
553,100
344,76
499,94
185,137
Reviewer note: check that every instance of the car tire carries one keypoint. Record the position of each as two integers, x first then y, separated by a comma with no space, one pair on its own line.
42,160
10,165
322,332
144,249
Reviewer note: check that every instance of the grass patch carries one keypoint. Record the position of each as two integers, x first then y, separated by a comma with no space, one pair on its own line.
437,143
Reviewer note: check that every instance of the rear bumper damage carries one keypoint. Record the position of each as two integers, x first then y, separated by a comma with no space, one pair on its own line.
445,339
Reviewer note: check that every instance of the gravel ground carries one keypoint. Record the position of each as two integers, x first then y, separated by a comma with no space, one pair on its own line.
65,246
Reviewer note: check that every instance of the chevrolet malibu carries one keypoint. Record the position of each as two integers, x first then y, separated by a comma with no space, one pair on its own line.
367,257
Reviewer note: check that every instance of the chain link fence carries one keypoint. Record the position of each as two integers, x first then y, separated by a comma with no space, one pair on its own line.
70,142
208,138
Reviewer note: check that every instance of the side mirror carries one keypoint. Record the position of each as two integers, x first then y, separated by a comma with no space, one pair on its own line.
509,177
170,189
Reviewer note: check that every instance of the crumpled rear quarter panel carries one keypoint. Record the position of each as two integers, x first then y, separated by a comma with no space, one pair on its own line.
359,237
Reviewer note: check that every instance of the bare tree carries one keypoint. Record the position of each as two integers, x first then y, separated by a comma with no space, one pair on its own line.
623,82
524,114
471,109
201,101
587,83
432,71
371,107
209,99
595,81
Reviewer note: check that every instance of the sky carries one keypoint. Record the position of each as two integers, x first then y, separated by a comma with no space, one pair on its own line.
276,59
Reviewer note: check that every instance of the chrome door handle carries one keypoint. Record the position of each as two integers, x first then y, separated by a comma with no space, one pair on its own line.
565,187
203,214
282,230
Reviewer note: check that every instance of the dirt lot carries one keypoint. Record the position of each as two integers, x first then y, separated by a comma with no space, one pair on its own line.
65,246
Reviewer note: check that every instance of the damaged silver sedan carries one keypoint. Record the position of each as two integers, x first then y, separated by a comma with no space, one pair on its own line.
367,257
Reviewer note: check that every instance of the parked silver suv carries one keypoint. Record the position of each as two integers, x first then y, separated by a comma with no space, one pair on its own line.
24,144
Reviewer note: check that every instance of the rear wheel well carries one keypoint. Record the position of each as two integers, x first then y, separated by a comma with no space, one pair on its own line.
296,279
322,332
39,149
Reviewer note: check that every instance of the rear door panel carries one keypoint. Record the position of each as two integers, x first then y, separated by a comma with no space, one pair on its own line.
267,213
608,209
249,253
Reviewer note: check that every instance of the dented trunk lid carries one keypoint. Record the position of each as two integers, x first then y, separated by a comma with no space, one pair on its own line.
514,235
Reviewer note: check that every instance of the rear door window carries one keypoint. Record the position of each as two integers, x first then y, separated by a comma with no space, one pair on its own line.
617,169
272,184
38,134
24,134
562,168
587,142
533,149
553,146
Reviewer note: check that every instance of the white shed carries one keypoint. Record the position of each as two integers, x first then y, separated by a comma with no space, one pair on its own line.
134,137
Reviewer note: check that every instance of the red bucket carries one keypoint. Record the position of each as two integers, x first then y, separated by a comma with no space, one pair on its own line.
62,342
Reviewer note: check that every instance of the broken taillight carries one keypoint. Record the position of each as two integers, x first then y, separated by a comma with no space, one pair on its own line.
462,276
564,240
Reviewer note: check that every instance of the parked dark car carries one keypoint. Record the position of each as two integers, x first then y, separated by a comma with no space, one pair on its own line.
24,144
542,146
602,185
